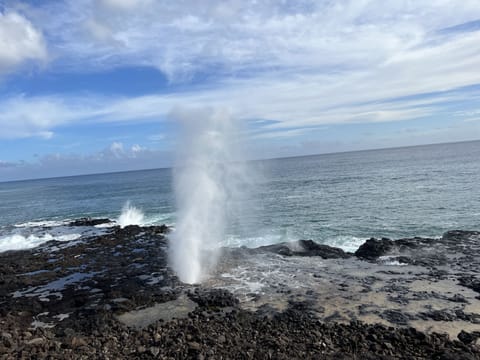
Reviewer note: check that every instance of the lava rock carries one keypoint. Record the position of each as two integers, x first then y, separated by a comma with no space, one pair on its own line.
305,248
468,338
373,248
470,282
87,221
213,298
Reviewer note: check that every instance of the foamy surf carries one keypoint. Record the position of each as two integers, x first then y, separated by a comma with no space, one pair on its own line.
42,223
21,242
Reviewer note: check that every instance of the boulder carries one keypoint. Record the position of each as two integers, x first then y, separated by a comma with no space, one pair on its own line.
373,248
305,248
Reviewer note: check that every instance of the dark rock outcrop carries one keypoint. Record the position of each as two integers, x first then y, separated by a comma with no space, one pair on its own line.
373,248
89,222
468,338
470,282
305,248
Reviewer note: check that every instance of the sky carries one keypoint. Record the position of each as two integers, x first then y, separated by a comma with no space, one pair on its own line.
89,86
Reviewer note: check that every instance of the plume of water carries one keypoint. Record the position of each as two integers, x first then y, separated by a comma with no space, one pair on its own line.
207,180
130,216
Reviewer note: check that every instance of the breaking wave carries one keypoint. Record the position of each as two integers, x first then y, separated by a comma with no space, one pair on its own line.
20,242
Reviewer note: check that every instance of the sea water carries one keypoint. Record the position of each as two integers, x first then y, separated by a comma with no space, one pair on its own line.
336,199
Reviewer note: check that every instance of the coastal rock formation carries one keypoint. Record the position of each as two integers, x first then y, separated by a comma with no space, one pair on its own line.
89,222
304,248
373,248
113,295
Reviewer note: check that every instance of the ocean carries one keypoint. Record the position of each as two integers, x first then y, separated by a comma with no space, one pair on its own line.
336,199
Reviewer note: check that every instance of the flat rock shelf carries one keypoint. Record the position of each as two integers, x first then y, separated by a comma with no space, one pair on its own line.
113,296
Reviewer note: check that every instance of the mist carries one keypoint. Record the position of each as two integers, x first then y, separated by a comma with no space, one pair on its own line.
209,184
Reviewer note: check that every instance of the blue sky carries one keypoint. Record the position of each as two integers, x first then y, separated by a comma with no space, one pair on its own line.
89,85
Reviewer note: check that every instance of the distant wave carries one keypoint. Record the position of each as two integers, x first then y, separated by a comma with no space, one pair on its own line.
42,223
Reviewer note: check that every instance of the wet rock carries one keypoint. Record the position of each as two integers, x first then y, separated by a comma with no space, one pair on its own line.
458,298
397,317
470,282
459,235
305,248
373,248
450,315
89,222
468,338
438,315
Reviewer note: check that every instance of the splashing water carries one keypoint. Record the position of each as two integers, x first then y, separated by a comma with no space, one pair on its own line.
208,179
130,216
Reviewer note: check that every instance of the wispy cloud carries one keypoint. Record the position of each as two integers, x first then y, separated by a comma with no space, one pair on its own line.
303,64
187,37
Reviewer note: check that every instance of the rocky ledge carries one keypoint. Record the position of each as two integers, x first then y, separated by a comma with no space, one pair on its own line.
113,296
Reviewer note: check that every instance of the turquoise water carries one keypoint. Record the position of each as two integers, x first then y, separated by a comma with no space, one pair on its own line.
337,199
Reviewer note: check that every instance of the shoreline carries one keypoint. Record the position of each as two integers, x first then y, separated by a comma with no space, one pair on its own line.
114,296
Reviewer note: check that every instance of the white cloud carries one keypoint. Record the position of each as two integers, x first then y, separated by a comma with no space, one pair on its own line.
137,149
280,134
99,31
186,37
302,64
20,41
116,149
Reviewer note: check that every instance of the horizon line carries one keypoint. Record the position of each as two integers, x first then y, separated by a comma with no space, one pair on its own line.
249,160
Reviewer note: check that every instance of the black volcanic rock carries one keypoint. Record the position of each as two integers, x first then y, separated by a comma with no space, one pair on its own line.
213,298
468,338
459,235
373,248
87,221
470,282
305,248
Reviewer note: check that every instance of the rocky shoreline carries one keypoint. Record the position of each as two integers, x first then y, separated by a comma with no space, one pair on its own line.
113,296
